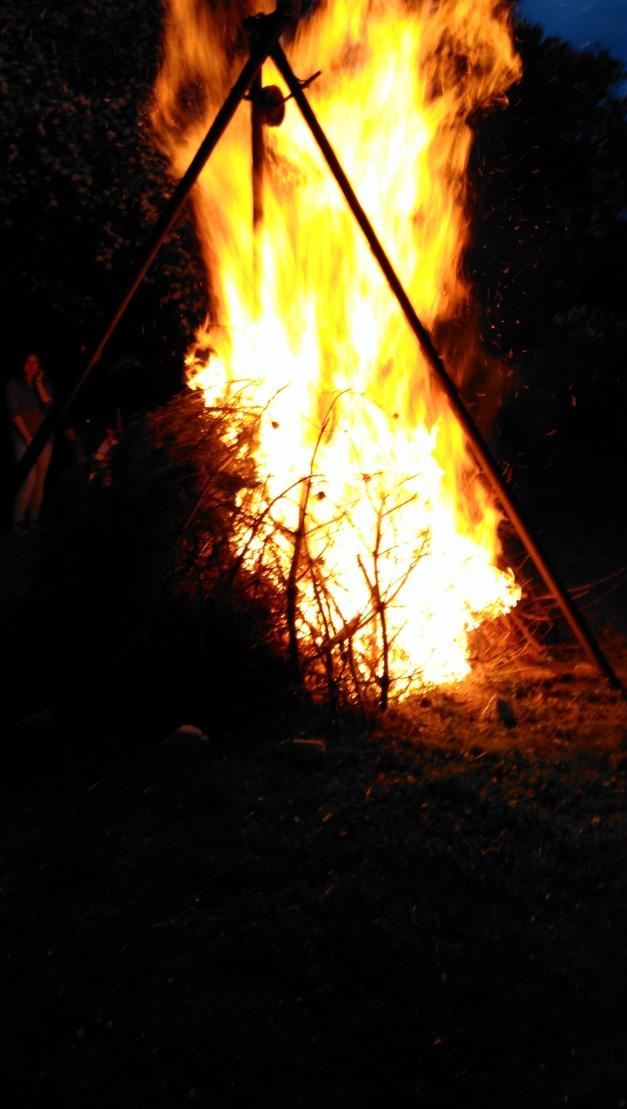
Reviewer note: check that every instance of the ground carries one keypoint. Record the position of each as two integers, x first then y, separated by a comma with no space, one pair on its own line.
432,913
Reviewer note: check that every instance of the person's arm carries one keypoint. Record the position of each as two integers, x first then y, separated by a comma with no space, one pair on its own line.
19,423
43,389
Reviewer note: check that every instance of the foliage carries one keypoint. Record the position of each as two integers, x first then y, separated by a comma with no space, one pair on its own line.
84,182
550,188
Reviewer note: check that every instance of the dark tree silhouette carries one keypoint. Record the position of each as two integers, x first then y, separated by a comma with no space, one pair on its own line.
550,185
83,182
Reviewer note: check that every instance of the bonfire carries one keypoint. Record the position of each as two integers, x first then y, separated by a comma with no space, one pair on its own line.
368,516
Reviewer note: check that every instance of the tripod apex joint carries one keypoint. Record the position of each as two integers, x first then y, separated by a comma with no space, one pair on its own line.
263,23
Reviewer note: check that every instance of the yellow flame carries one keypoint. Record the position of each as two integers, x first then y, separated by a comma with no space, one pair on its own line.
361,457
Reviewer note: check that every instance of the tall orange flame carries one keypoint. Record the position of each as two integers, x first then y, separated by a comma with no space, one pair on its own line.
362,459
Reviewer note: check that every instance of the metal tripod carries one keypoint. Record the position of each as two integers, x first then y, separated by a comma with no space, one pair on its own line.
265,32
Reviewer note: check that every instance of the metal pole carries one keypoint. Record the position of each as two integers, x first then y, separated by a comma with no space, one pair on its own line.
256,121
257,155
272,27
474,436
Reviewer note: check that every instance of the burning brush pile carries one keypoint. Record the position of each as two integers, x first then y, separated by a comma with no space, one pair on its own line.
334,480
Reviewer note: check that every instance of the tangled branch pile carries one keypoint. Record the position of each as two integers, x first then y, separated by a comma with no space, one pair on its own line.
172,584
213,556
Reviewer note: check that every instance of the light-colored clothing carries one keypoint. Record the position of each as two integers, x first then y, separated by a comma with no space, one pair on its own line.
30,496
24,401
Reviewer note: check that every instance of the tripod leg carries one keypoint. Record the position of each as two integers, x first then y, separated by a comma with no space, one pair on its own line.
257,152
479,446
256,120
273,28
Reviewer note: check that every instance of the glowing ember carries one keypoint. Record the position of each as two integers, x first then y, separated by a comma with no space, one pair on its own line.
368,508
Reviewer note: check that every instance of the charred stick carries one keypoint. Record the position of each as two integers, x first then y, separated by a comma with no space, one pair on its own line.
385,676
325,652
378,607
292,589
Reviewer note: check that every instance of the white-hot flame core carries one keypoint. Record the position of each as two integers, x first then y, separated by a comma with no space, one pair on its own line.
359,452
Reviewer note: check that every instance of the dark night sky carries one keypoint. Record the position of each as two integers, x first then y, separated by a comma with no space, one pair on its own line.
582,22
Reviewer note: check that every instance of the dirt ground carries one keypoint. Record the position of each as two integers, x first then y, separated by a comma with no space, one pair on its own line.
430,910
